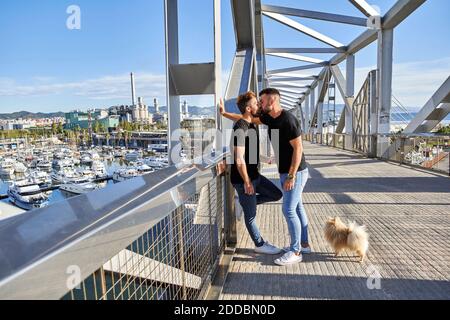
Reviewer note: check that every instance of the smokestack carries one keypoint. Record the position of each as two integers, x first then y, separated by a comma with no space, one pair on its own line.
133,92
155,103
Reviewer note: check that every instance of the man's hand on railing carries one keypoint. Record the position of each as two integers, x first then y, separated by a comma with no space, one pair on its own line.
221,107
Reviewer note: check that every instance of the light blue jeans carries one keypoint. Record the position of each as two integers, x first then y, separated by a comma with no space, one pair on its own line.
294,211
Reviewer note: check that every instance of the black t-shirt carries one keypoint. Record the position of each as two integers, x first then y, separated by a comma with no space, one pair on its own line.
283,129
245,134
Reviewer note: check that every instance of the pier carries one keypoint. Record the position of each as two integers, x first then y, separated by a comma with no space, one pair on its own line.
174,234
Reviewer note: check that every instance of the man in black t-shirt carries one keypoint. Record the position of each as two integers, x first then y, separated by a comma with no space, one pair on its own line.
252,188
285,135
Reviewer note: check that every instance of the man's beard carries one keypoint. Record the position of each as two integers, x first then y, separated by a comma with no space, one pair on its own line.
259,113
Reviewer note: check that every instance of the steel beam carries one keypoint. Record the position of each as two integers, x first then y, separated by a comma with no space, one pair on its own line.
307,117
398,12
305,50
385,55
287,89
312,105
260,48
289,85
304,29
172,58
289,95
217,66
432,113
296,57
365,8
317,15
276,78
299,68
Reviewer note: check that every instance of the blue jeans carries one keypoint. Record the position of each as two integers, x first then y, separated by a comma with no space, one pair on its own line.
265,191
294,211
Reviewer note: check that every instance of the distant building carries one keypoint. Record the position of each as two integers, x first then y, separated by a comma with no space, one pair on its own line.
124,112
197,126
81,119
140,113
158,116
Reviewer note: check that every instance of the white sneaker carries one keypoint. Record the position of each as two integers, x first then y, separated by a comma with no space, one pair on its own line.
288,258
238,208
303,250
268,248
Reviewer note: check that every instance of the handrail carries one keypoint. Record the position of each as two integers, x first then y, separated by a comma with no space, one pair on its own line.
37,247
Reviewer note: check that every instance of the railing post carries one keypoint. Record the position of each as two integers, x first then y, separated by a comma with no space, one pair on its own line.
230,211
180,251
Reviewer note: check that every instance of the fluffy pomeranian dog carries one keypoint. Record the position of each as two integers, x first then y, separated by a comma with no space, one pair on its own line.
342,237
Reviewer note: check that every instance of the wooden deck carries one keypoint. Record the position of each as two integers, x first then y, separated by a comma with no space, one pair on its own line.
407,212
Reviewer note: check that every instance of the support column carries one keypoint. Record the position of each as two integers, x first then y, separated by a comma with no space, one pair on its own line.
350,92
373,115
172,58
320,114
312,105
307,117
217,70
385,54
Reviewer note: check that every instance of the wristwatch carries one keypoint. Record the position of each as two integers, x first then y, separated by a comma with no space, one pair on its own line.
291,176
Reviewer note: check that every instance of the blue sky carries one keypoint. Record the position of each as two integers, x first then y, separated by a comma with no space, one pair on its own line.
46,67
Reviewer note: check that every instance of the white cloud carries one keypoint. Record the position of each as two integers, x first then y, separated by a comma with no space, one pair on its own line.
413,83
103,88
112,87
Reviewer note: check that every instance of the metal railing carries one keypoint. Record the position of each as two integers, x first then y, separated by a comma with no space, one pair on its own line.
158,236
425,151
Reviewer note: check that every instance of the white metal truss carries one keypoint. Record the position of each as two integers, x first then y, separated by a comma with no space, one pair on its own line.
365,8
316,15
304,29
305,50
296,57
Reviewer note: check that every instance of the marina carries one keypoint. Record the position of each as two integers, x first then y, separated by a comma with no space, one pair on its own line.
33,177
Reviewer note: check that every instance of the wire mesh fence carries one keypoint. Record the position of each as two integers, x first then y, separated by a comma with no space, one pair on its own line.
175,259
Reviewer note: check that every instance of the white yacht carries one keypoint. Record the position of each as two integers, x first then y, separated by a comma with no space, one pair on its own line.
125,174
99,169
86,173
44,165
143,168
19,167
133,156
62,163
67,176
157,162
40,178
79,188
86,159
7,167
28,195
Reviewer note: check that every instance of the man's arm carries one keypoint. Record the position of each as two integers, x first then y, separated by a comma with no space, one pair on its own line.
235,116
242,168
295,162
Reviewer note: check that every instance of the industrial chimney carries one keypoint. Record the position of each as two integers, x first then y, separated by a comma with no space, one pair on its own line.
133,92
155,103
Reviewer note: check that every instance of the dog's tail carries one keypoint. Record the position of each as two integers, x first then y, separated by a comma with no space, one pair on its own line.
357,237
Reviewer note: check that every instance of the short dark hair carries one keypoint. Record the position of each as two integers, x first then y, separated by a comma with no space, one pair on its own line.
243,99
269,91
